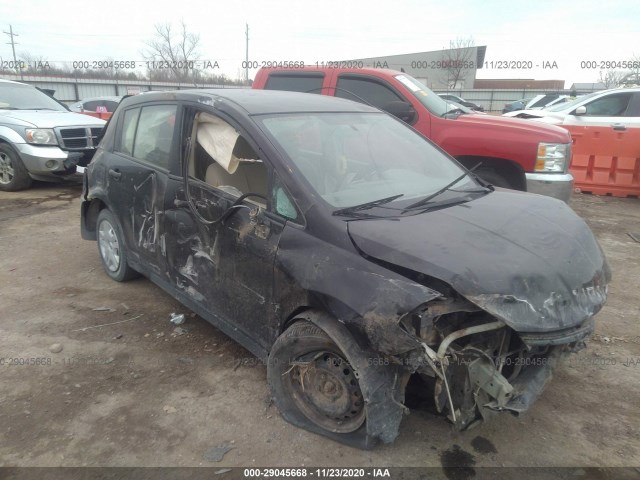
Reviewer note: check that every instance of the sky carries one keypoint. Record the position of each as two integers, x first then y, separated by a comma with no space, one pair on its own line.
565,32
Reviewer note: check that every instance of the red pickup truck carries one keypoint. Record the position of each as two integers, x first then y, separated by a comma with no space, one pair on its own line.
515,153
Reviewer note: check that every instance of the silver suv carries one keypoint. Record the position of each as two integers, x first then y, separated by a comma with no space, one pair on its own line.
40,139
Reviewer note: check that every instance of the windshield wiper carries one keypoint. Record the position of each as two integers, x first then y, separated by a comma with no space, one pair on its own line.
428,198
365,206
9,108
37,108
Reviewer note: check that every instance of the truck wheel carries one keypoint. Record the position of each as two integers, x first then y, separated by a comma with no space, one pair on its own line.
13,174
494,178
111,247
313,383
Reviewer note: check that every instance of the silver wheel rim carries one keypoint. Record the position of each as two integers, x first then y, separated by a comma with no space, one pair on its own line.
109,246
6,170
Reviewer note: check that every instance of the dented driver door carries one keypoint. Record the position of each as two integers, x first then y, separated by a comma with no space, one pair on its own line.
220,250
223,270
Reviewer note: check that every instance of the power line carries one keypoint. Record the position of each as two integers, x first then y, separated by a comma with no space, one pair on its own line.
13,48
246,65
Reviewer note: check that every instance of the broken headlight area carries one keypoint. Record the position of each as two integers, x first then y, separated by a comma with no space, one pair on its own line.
472,365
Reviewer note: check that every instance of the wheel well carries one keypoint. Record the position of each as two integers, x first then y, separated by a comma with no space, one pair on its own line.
91,216
291,318
5,142
348,319
509,170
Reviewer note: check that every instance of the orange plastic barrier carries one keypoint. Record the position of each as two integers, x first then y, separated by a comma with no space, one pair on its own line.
102,115
606,161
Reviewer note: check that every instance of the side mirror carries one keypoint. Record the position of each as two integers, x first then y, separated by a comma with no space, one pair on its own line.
581,110
402,110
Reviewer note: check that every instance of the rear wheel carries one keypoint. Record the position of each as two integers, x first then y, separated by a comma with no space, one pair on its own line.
13,173
111,247
313,383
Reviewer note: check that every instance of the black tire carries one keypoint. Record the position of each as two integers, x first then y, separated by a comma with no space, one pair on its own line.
111,248
13,174
494,178
313,384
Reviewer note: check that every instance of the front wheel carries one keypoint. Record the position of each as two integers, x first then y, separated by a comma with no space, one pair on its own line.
13,173
111,247
313,383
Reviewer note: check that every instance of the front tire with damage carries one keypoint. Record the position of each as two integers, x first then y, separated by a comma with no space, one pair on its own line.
322,381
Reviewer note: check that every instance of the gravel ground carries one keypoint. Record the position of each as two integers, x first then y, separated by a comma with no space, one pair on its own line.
126,389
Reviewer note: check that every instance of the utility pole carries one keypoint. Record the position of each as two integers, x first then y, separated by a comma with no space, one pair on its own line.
13,48
246,56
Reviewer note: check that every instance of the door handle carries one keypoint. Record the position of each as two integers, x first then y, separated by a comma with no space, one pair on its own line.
115,174
619,127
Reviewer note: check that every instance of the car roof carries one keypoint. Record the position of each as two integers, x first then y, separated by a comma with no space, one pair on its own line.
256,102
116,98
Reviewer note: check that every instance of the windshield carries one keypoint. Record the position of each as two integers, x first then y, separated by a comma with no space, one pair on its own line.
24,97
561,107
434,103
353,158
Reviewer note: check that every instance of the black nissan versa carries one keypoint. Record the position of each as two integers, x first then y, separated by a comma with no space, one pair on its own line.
347,251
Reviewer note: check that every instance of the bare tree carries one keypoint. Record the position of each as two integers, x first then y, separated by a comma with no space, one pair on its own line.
611,78
33,63
174,52
457,62
632,78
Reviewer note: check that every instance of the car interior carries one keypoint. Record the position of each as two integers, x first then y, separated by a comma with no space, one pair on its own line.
223,158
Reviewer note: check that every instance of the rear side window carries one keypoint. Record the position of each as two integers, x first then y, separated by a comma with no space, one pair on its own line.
369,91
154,134
129,124
295,83
111,105
634,106
91,106
147,133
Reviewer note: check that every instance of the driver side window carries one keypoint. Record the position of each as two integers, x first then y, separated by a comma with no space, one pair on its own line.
609,106
224,159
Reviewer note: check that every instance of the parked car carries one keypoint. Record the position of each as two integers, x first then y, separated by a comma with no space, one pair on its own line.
346,251
461,101
537,102
96,104
516,105
544,101
615,107
511,154
39,138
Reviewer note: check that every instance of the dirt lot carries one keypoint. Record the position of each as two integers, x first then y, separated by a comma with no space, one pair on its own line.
136,393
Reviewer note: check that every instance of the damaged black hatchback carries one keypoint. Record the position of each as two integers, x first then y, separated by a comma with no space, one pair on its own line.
345,250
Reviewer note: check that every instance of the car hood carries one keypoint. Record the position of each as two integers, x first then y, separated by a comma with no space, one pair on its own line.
508,121
49,119
527,259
